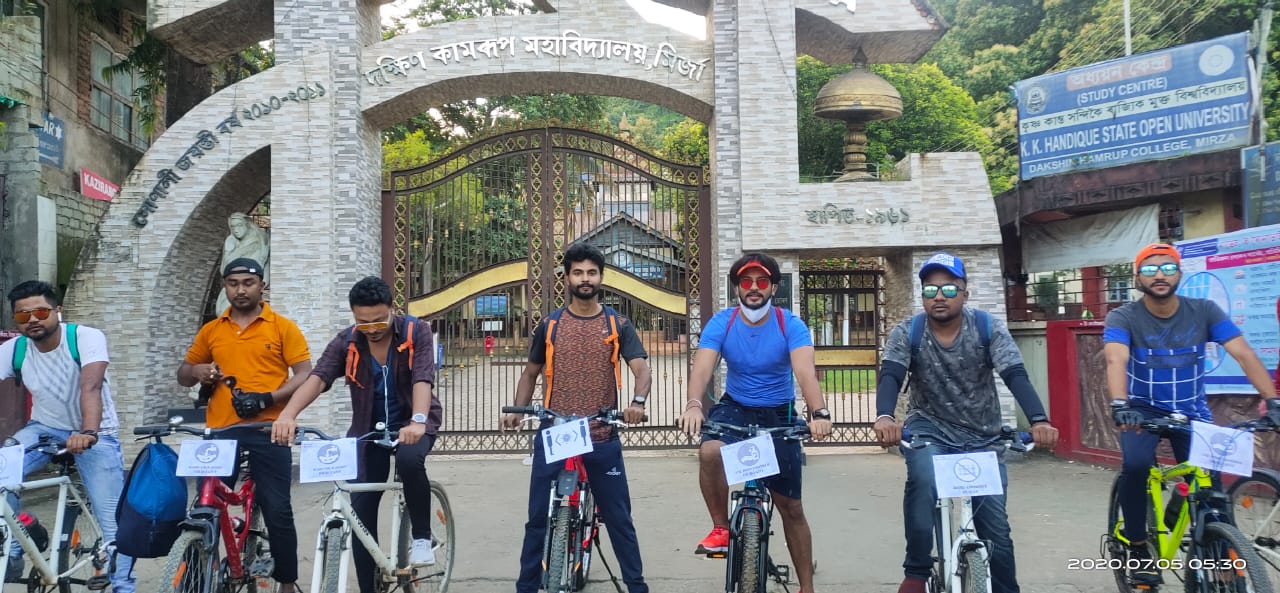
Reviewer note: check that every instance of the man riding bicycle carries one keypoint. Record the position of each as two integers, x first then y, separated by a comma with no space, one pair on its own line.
258,348
763,346
1155,349
951,351
389,364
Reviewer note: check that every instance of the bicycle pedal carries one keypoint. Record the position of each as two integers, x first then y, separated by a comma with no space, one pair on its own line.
716,555
98,582
262,567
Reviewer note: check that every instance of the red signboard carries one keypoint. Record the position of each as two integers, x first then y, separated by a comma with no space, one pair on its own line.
96,186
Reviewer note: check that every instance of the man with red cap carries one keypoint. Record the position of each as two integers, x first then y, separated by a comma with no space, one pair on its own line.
766,349
1155,349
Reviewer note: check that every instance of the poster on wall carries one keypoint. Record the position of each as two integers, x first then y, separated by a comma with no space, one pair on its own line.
1240,272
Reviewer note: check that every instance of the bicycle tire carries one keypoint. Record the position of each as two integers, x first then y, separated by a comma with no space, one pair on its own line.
582,545
442,539
559,576
1254,499
332,560
1113,548
975,573
751,571
189,567
1254,575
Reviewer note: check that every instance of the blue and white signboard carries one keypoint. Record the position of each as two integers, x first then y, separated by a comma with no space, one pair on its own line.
1261,184
1184,100
1240,272
52,146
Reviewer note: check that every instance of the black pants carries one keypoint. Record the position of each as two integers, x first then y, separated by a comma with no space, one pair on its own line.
271,466
411,466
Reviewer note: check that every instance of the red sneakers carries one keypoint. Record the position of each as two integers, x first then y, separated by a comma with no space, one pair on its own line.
716,542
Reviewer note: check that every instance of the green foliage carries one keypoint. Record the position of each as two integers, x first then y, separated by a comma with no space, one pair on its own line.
686,142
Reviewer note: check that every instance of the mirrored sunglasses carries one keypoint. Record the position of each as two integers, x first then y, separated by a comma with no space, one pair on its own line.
948,290
1150,270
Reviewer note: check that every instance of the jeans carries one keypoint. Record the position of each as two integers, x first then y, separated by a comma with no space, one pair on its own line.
411,463
608,479
272,468
101,468
990,518
1139,456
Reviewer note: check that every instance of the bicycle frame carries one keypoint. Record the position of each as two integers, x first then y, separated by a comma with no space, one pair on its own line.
959,540
1268,548
569,487
753,498
341,514
66,493
1169,538
209,516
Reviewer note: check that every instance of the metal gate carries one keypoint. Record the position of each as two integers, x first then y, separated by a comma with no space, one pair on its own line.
473,243
844,308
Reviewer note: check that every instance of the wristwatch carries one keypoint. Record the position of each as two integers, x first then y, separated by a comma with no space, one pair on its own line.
640,399
420,418
821,413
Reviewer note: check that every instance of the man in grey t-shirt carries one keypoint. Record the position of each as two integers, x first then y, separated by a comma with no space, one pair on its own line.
954,404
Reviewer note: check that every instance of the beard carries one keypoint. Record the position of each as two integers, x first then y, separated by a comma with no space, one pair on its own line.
250,305
39,332
592,292
1148,291
764,301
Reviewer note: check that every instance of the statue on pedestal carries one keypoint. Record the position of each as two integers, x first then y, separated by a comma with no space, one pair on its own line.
246,240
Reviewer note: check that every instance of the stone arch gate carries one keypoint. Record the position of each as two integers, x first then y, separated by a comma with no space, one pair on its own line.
472,242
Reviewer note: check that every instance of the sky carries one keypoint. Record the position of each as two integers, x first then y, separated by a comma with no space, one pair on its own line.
685,22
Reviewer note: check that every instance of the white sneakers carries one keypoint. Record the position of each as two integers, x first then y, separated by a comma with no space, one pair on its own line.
421,553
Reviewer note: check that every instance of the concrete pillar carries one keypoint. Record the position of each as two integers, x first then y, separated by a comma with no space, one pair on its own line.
724,137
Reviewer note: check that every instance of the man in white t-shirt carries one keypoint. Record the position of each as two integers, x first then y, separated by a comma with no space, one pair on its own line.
71,402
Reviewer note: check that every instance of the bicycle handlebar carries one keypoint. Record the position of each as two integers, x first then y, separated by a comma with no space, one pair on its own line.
175,426
386,442
607,415
47,444
1012,440
795,432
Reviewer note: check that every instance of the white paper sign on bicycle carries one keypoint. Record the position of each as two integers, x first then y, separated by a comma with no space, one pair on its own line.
11,466
752,459
328,461
198,458
570,439
1221,449
967,474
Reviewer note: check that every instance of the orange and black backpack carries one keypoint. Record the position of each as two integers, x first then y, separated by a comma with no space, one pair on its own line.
553,319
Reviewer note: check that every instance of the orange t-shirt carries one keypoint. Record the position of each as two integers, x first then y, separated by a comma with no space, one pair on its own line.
259,357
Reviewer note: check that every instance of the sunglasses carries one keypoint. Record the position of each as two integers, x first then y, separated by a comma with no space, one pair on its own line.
747,283
1150,270
376,326
41,313
948,290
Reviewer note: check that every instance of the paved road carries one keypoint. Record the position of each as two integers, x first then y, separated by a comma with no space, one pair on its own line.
853,501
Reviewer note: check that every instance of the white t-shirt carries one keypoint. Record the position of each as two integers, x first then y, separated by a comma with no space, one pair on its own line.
54,379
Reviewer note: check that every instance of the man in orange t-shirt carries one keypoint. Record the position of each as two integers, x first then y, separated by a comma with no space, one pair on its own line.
257,347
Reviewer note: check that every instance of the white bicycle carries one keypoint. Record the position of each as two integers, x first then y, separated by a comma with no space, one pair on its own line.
963,561
333,541
77,554
1257,514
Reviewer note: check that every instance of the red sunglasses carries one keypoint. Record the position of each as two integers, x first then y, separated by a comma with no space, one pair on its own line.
747,283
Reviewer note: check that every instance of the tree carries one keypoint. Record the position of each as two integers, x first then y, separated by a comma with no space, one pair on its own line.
687,143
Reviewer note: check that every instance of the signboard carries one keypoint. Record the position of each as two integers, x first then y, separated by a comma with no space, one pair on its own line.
1183,100
491,305
1261,166
1240,272
50,135
96,186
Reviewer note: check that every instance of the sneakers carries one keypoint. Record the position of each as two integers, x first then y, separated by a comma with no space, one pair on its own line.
912,585
716,542
1144,571
421,553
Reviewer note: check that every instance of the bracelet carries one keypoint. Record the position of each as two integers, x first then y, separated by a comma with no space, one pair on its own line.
92,433
691,403
889,416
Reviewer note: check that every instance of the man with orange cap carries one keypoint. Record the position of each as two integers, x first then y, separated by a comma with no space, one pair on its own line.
1155,349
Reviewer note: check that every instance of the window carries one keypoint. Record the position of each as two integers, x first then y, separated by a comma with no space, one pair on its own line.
111,108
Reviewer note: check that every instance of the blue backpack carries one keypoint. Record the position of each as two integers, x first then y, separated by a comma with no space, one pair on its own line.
153,504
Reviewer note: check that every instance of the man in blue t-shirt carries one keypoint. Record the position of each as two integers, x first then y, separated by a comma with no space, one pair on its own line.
1155,349
763,347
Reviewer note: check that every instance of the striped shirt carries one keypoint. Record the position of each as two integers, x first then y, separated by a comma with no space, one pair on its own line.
54,379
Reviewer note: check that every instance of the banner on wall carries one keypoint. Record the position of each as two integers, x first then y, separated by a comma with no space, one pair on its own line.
1096,240
1240,272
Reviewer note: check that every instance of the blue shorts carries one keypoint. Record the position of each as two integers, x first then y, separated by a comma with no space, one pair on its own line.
790,455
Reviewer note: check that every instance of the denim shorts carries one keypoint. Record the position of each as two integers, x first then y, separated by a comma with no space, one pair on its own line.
790,456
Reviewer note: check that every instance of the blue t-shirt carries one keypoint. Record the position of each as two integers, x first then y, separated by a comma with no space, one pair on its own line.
1167,356
759,357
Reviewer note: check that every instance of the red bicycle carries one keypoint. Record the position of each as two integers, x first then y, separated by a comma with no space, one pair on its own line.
193,564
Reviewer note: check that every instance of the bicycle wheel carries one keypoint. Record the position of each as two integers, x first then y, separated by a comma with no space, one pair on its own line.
975,573
1115,550
559,576
190,567
751,572
1257,511
331,560
82,541
1235,567
582,545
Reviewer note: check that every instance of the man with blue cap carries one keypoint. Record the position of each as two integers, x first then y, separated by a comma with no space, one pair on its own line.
951,351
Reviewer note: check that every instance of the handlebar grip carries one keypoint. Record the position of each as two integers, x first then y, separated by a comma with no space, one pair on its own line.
153,429
518,410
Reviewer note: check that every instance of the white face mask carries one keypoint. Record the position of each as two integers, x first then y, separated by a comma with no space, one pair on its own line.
755,315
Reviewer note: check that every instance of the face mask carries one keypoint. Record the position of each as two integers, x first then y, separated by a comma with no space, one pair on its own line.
755,315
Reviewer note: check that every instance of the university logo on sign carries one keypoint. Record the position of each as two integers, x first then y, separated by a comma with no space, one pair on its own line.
96,186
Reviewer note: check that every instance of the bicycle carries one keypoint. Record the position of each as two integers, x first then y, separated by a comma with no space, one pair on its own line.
573,517
749,565
963,561
1195,531
333,547
1256,508
78,545
193,564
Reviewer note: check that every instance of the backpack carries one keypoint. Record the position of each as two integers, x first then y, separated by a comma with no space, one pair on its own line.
152,505
982,319
20,349
553,319
353,353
